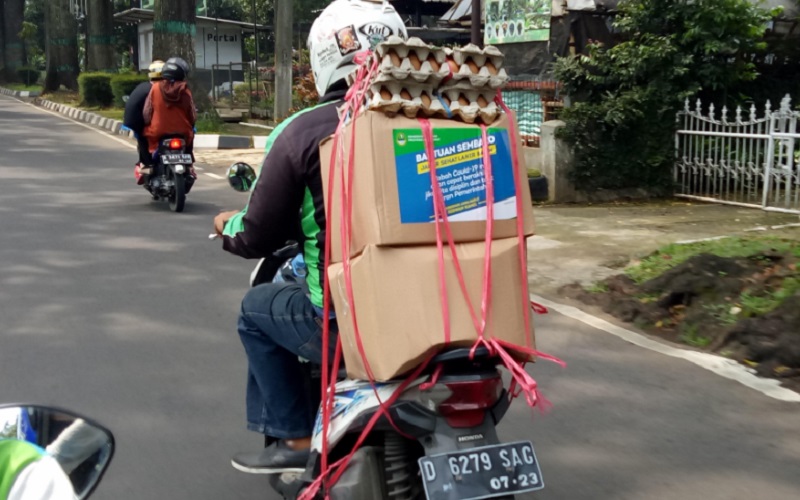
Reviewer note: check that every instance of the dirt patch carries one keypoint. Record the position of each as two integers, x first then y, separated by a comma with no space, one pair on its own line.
745,308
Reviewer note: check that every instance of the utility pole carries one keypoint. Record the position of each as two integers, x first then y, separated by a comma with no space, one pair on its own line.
476,21
283,58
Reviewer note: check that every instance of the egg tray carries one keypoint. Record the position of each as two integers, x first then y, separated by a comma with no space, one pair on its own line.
467,105
412,60
415,60
480,68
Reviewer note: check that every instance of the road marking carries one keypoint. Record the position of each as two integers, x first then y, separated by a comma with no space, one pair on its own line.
110,136
724,367
215,176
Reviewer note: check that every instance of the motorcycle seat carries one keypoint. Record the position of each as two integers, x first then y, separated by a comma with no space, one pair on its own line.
459,354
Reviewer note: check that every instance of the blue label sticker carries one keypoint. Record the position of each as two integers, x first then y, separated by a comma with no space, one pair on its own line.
460,172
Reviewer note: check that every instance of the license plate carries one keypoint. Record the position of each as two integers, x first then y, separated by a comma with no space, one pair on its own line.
486,472
176,158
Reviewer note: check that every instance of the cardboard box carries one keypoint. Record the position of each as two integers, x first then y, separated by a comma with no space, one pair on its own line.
399,309
392,196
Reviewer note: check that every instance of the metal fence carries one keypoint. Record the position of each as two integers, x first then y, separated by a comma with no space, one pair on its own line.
751,161
527,99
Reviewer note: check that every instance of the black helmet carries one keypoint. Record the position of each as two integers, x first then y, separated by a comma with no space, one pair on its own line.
175,69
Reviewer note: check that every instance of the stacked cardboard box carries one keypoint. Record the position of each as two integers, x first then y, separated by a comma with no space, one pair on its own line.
394,259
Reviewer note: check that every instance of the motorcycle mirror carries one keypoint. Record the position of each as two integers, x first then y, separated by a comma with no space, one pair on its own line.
241,177
50,444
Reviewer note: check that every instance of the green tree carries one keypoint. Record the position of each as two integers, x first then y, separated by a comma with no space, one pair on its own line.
34,14
622,123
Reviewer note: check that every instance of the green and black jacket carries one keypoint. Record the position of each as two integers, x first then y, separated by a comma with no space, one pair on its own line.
290,183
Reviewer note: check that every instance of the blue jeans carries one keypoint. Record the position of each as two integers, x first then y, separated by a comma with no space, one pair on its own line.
278,323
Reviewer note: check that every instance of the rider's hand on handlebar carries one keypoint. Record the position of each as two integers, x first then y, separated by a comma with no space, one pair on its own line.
221,219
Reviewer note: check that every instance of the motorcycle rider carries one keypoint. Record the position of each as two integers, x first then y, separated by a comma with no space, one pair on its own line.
27,472
278,321
134,116
169,108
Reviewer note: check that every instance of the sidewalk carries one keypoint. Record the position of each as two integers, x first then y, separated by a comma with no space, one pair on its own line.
213,142
220,159
584,244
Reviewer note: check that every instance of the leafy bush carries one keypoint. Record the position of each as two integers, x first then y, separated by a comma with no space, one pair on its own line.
123,84
209,122
28,76
95,89
622,125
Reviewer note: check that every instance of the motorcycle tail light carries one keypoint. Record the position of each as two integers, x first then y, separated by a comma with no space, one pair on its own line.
469,399
175,143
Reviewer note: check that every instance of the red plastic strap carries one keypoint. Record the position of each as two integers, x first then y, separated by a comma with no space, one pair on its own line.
538,308
441,210
328,386
341,465
354,101
434,378
523,260
440,215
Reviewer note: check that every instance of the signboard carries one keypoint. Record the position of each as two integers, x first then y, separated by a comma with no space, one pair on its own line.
217,46
515,21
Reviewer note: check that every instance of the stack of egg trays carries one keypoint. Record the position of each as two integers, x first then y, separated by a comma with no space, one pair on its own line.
417,79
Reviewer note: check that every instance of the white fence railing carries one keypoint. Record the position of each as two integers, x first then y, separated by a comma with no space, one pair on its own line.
751,162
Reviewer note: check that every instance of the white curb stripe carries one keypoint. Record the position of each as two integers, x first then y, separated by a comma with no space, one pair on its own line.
724,367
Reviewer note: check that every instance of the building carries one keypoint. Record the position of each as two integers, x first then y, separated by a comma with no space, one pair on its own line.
217,41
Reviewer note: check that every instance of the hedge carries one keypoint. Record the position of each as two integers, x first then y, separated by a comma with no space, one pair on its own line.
29,76
95,89
123,84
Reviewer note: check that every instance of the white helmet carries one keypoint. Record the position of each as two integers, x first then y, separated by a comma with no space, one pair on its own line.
345,28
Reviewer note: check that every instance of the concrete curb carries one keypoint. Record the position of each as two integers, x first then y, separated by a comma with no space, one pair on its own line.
201,141
19,93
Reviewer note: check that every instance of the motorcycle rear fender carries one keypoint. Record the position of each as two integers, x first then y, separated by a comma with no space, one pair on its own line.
177,169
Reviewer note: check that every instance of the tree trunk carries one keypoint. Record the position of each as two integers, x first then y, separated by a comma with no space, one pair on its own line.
174,34
62,46
13,14
174,29
2,41
102,56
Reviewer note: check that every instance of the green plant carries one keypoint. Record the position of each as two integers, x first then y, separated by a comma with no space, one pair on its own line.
29,76
533,173
209,122
622,124
95,89
758,305
667,257
123,84
597,287
723,313
692,337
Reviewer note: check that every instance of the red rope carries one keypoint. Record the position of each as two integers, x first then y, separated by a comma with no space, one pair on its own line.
523,260
521,380
538,308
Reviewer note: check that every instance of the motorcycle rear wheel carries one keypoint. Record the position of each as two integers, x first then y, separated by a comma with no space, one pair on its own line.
177,198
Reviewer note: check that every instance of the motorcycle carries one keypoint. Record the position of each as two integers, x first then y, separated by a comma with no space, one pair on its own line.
439,440
33,438
172,176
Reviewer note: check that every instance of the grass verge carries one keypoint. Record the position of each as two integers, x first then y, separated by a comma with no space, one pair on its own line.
665,258
23,87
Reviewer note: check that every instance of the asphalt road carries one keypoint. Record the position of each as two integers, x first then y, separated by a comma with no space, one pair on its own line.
113,306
